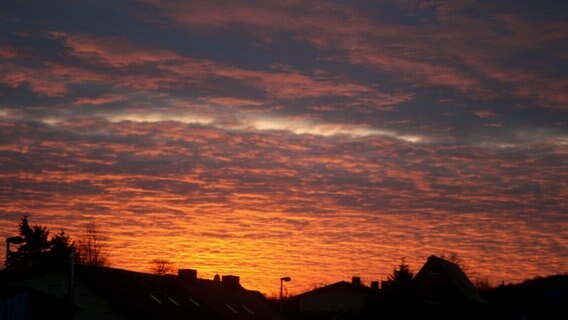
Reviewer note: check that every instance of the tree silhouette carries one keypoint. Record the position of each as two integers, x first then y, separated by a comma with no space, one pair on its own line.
401,275
162,267
91,248
399,295
454,257
61,246
481,283
35,244
37,250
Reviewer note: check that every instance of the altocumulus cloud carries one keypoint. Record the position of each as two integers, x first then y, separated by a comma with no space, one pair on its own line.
339,136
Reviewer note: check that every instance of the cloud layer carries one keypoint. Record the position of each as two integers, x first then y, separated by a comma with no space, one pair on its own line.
319,140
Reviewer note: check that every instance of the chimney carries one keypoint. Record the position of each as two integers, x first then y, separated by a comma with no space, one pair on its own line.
187,275
356,281
231,282
375,285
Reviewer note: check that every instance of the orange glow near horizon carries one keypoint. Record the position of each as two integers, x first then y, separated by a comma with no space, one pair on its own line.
262,246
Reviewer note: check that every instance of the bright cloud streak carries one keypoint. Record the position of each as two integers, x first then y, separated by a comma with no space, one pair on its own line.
328,130
159,117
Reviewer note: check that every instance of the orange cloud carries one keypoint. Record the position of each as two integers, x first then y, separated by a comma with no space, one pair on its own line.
235,195
104,99
412,53
47,84
286,84
114,51
7,52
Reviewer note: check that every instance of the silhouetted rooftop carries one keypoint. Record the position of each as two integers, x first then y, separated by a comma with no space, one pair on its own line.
140,296
455,274
337,286
148,296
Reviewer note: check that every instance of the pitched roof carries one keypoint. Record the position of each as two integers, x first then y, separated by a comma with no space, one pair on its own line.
142,296
147,296
231,302
337,286
456,275
137,295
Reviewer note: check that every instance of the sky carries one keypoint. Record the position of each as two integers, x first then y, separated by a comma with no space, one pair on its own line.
313,139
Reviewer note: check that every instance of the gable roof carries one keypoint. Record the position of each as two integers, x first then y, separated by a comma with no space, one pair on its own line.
147,296
337,286
456,276
231,302
142,296
137,295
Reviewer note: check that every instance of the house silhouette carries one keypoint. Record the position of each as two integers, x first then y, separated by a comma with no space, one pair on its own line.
340,300
440,290
108,293
443,282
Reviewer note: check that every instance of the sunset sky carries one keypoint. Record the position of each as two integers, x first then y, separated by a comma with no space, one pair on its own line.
313,139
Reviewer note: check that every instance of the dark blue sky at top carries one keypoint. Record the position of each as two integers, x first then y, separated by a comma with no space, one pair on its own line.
450,71
240,44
